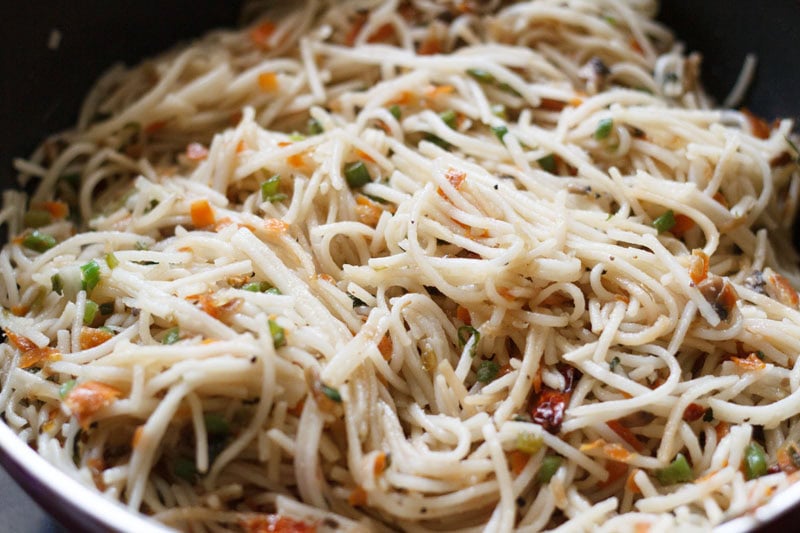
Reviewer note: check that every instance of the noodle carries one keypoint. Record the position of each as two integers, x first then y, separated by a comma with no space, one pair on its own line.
422,265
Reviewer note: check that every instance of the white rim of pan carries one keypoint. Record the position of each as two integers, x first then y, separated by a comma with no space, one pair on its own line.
38,477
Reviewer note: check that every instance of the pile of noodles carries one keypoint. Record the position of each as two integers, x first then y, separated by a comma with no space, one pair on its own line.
420,265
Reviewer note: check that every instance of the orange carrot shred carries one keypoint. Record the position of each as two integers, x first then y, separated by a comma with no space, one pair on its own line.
268,81
56,209
91,337
386,347
368,212
156,126
19,310
86,399
261,33
137,436
682,225
517,461
462,313
202,214
380,464
35,356
357,497
698,266
626,434
758,127
296,160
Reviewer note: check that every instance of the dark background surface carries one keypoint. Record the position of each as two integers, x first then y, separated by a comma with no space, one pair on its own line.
41,89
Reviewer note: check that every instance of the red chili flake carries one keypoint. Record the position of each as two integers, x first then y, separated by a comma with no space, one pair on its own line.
548,410
693,412
275,523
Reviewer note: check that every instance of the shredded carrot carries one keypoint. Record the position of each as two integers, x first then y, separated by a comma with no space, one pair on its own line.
720,198
386,347
35,356
456,179
429,46
630,483
575,101
261,33
750,363
784,291
268,82
202,213
241,146
19,310
276,225
364,155
626,434
156,126
622,298
210,306
357,497
635,46
537,380
405,98
551,104
641,527
296,160
23,344
91,337
137,436
439,90
462,313
297,410
57,210
384,33
368,212
505,292
275,523
196,152
208,341
721,430
698,266
517,460
616,471
682,225
758,126
326,277
380,464
86,399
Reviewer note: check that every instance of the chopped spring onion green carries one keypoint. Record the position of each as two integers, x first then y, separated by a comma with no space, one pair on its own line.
141,246
500,132
549,467
678,471
528,442
185,469
603,128
755,461
395,110
36,218
278,335
90,275
465,334
65,388
508,89
260,286
331,393
38,241
548,163
357,302
89,312
295,136
449,117
216,424
356,174
172,336
438,141
58,283
106,308
709,415
499,110
111,260
614,363
313,127
665,222
269,190
487,371
483,76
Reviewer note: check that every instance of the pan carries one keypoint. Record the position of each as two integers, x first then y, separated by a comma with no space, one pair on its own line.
53,52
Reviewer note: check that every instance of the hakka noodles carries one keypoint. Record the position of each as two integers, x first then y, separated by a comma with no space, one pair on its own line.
412,266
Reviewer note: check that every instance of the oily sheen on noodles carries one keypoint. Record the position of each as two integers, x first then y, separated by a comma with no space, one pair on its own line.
411,265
